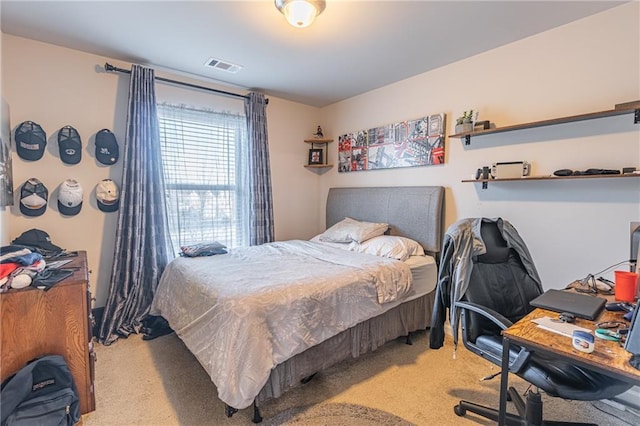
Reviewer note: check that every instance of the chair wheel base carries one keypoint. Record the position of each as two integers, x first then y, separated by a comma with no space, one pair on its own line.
460,411
525,417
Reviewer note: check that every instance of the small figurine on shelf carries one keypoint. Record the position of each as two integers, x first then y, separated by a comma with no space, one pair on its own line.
318,134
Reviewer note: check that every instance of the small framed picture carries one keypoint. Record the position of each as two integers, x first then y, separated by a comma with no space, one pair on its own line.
315,156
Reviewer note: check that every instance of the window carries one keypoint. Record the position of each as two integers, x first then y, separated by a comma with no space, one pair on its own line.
203,168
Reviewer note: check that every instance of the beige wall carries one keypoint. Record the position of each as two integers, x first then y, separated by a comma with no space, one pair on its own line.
6,138
4,126
572,227
54,86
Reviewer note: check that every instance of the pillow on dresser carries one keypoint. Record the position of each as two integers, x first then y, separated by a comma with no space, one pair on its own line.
348,230
395,247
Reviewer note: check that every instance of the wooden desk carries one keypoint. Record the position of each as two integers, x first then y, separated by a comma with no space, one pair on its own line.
35,323
608,357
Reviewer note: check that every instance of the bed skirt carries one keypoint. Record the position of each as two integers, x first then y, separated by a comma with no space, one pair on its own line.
364,337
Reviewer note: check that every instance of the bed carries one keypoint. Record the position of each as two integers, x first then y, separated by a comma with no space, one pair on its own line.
290,322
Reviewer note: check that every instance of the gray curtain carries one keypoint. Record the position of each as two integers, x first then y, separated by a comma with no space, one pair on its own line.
142,243
261,200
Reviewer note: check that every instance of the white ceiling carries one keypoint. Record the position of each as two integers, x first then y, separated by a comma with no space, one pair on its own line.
352,47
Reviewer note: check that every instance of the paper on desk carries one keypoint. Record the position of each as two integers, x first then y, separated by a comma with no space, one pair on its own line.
552,324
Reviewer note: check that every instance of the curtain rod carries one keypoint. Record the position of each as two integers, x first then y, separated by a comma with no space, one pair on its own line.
110,68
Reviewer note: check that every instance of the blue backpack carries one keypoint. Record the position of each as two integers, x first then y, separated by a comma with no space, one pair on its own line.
41,393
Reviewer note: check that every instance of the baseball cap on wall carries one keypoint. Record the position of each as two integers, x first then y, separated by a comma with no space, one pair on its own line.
70,145
33,198
107,151
107,195
30,141
70,197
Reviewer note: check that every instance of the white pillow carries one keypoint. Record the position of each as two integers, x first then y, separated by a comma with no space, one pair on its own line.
343,246
348,230
400,248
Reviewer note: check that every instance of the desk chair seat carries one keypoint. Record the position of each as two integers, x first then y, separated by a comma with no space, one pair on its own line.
496,296
557,377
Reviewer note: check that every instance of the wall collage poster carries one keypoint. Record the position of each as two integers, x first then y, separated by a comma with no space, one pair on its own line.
412,143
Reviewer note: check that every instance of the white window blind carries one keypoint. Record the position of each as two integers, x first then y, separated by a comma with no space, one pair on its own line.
202,155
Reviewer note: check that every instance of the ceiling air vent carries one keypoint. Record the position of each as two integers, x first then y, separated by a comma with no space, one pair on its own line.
223,65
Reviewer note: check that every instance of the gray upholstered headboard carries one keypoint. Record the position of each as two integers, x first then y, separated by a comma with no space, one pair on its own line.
415,212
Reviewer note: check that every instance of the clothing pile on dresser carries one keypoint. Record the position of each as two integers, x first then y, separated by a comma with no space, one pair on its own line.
18,267
24,262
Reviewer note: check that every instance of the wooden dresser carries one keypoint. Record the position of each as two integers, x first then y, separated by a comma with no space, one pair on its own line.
57,321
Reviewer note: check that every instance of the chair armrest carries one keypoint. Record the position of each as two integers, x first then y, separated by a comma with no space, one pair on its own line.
515,364
497,318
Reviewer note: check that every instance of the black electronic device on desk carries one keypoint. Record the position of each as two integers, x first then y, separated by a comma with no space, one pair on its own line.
632,344
580,305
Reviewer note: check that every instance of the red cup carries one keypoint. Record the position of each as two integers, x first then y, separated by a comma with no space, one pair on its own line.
626,285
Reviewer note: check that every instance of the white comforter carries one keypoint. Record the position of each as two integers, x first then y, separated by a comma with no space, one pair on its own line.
244,312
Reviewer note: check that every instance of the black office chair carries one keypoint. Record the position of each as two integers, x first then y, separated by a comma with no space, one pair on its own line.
498,295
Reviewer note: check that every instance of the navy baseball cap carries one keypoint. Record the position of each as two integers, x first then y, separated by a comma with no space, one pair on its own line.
37,238
70,145
30,141
107,151
33,198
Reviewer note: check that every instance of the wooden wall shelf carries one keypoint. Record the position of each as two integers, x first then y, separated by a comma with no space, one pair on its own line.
324,143
312,141
621,109
533,178
318,166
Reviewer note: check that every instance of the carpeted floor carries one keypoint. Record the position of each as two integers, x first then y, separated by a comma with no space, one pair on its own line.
159,382
335,415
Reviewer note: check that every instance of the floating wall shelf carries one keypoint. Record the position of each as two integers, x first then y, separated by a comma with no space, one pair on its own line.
620,109
324,143
532,178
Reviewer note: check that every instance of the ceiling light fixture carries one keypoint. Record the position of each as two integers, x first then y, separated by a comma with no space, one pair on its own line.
300,13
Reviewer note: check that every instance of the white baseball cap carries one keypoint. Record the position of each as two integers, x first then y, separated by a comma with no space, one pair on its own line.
21,281
107,195
70,197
